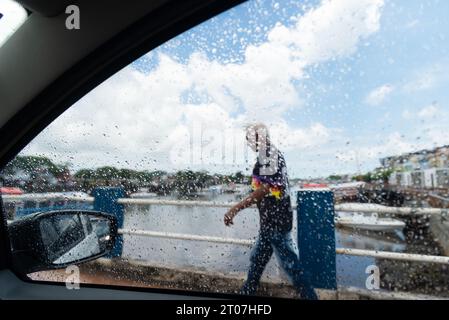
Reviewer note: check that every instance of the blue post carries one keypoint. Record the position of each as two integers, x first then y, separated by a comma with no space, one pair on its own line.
316,237
106,201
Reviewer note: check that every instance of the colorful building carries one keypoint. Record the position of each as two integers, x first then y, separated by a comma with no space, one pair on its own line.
424,169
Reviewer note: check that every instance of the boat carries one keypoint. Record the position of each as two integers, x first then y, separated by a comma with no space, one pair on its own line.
371,222
370,241
346,191
11,191
314,186
143,195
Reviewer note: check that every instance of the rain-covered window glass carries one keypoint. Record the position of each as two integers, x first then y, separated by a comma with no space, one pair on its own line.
271,136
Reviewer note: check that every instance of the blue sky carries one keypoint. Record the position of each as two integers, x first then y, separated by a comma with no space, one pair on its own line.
413,38
342,83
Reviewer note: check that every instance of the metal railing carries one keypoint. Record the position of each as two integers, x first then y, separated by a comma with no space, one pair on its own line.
45,197
247,242
374,208
349,207
394,255
346,207
181,236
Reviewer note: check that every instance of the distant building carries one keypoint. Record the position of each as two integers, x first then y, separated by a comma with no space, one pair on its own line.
422,169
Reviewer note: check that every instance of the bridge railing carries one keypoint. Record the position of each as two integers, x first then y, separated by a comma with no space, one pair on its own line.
345,207
318,235
249,243
17,206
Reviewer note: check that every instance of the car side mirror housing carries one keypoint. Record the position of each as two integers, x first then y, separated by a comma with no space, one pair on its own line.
57,239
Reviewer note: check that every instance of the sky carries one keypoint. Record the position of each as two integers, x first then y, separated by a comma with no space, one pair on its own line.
340,84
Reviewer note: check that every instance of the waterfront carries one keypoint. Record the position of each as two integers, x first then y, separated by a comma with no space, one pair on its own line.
234,259
197,216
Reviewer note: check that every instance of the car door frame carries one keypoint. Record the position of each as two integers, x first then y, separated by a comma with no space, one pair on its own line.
169,20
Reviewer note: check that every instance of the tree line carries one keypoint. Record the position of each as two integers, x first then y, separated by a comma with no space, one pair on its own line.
40,174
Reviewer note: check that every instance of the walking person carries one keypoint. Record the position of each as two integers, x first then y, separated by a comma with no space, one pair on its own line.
271,195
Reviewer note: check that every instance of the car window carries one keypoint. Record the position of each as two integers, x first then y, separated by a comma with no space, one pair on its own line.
279,149
12,16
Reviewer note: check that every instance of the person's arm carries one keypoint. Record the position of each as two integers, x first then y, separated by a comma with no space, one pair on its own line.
251,199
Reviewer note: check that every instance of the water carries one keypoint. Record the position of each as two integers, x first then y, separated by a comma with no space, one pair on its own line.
231,259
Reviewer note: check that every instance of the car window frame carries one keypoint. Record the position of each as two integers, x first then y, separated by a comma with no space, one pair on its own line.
170,20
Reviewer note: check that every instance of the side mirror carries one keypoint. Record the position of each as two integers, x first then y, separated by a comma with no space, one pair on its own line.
57,239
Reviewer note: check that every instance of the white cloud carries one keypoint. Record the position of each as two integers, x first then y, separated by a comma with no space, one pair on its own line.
424,82
140,120
428,112
332,30
427,78
407,114
394,143
300,138
379,95
412,24
13,16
